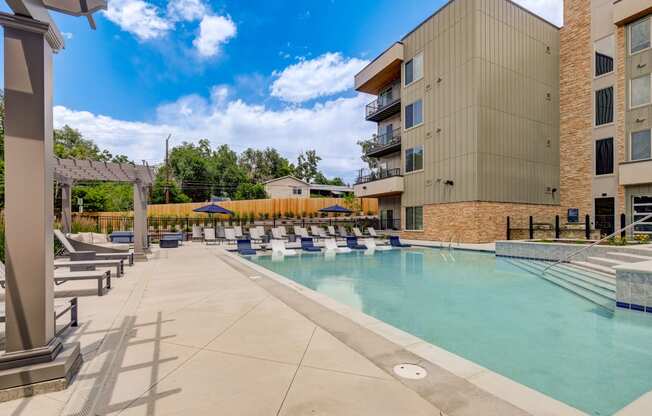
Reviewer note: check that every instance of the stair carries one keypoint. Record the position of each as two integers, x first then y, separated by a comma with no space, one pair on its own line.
629,258
595,267
604,261
589,285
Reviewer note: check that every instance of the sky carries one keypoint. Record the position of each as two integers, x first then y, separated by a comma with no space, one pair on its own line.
244,73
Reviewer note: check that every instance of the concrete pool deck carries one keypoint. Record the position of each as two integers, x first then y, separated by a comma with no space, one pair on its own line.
199,330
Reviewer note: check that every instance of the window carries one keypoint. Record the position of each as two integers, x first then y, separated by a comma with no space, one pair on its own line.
604,156
604,53
413,114
296,191
639,35
639,91
414,69
414,159
414,218
604,106
641,145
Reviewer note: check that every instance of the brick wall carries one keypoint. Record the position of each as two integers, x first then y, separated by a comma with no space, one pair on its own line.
479,222
576,106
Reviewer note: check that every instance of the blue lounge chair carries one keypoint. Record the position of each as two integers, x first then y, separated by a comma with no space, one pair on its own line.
244,248
352,243
395,242
307,245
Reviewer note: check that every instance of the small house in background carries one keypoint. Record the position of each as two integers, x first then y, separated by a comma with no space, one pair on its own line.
291,187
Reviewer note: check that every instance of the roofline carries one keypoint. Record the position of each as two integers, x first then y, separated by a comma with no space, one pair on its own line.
286,177
378,56
508,1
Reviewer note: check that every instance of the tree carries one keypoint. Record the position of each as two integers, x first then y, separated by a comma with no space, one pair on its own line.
250,191
189,165
323,180
365,147
263,165
159,187
226,172
307,166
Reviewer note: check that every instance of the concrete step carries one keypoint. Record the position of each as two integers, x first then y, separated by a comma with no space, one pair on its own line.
609,279
595,267
604,261
585,279
629,258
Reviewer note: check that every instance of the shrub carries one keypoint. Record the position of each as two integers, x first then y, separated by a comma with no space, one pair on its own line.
617,241
642,238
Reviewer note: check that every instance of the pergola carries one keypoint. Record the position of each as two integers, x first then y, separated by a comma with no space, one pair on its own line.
35,359
68,171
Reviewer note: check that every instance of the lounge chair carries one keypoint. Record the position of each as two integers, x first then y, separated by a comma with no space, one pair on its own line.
196,233
308,245
63,276
244,248
254,235
230,236
301,232
86,265
370,243
315,231
331,247
84,255
219,233
61,308
394,241
237,229
278,248
372,232
283,231
331,231
209,236
277,234
342,231
352,243
356,232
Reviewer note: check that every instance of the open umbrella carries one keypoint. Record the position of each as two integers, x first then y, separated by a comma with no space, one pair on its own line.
338,209
213,209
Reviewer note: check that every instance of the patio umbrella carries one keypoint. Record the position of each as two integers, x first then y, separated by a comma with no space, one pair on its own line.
213,209
338,209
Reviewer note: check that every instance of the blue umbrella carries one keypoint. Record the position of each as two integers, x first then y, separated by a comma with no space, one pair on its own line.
338,209
213,209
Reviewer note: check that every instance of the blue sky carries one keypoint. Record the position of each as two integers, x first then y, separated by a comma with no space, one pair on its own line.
245,73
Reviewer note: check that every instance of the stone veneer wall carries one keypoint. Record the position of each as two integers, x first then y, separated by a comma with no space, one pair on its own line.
478,222
576,108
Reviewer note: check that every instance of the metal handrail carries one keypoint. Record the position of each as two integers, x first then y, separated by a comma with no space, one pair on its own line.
575,253
378,175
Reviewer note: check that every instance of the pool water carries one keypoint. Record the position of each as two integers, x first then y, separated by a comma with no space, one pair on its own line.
493,313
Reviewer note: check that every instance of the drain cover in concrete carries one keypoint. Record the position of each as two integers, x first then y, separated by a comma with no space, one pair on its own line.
410,371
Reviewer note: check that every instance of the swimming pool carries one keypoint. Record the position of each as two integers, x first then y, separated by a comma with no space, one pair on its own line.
495,314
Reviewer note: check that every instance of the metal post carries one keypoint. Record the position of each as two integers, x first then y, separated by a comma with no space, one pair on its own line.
557,228
508,229
531,228
587,226
66,206
140,221
623,224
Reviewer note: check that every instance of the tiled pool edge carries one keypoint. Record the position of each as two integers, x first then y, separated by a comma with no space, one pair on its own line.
488,386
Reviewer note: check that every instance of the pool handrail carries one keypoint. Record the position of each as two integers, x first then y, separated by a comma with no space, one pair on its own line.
567,258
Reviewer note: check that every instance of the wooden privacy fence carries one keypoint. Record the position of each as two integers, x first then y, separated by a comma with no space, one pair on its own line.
297,207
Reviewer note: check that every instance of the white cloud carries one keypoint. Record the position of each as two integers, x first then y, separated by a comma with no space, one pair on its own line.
138,17
67,35
325,75
188,10
332,128
551,10
213,31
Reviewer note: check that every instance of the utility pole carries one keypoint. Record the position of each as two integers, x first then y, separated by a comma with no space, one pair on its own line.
167,169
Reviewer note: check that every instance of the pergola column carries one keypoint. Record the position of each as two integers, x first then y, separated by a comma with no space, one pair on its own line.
66,206
141,243
29,252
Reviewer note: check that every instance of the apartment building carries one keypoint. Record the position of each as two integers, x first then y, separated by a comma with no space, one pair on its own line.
467,111
606,110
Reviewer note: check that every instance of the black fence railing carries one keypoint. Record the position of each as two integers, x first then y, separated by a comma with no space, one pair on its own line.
382,103
384,140
370,176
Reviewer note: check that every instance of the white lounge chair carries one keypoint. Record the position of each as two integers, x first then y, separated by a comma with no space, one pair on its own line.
372,232
301,232
255,234
89,265
342,231
331,246
238,231
331,231
284,232
278,248
196,232
209,236
356,232
230,236
371,245
277,234
63,276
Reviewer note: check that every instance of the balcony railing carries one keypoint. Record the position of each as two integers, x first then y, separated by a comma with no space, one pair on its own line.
384,106
384,141
370,176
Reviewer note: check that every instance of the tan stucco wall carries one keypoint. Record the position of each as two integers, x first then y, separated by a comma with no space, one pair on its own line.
283,188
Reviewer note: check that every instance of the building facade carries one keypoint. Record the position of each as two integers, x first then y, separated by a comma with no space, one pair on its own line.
606,110
468,116
291,187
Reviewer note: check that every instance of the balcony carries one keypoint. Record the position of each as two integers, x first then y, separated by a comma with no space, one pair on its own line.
381,71
626,11
635,173
384,144
384,106
384,182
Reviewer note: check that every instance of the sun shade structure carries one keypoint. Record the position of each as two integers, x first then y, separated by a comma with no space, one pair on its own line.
338,209
33,353
213,209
